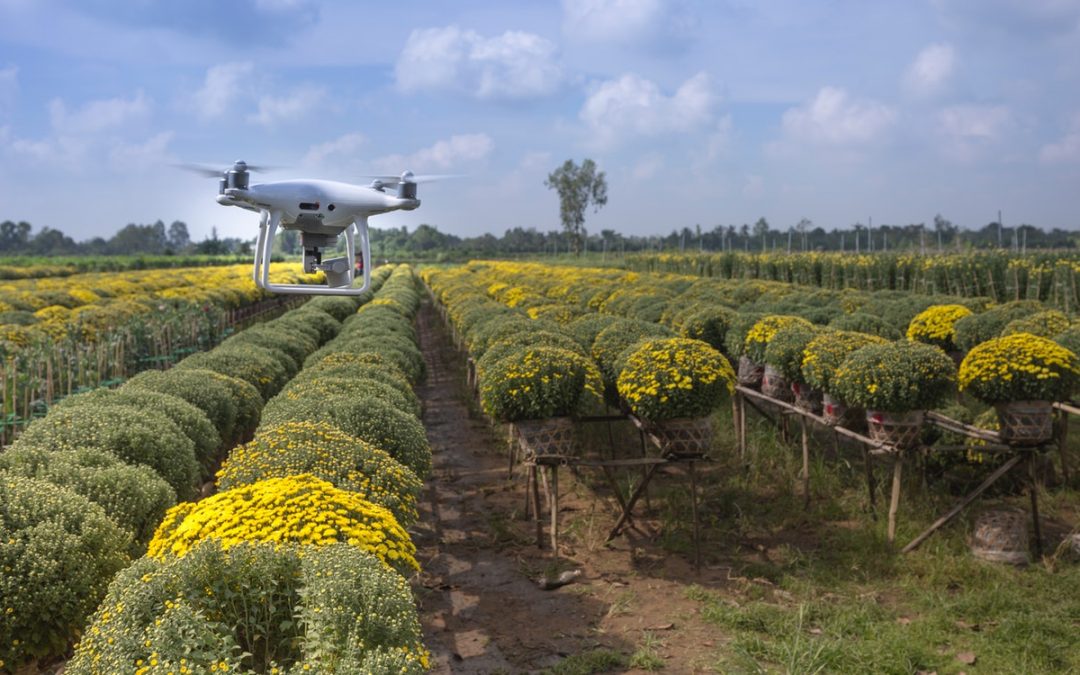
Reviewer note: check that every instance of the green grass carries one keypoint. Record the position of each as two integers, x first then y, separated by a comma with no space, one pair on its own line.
587,663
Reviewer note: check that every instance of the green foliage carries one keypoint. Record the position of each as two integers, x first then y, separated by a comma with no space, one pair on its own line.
312,320
297,346
786,349
578,188
253,364
58,552
134,497
824,354
978,328
399,350
340,307
611,345
897,376
585,329
861,322
369,365
212,397
709,324
253,608
516,342
762,332
142,437
1045,324
735,339
369,419
539,382
329,388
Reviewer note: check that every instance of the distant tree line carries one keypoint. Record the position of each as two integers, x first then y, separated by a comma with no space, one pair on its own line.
155,239
427,242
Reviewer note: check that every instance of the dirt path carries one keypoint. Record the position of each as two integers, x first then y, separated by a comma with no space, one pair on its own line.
481,608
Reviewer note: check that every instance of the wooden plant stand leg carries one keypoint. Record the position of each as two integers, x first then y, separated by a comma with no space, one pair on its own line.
511,443
894,501
631,501
1033,490
645,473
535,494
871,482
805,462
1063,443
738,430
694,509
970,497
555,511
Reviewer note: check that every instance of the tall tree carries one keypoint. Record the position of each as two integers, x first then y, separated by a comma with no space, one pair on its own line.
179,238
578,187
761,229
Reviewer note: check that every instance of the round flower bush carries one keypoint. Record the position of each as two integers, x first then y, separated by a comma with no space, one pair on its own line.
977,328
1020,367
785,350
709,324
250,363
510,345
134,497
895,377
361,365
137,437
330,454
300,509
331,387
400,350
585,329
255,608
539,383
369,419
340,307
675,377
826,352
213,398
936,326
58,551
296,346
861,322
735,339
611,346
762,332
1044,324
248,400
310,319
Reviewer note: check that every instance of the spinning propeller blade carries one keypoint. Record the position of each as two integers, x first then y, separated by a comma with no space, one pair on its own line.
210,172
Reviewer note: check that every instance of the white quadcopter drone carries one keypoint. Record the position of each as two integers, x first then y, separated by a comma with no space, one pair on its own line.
321,210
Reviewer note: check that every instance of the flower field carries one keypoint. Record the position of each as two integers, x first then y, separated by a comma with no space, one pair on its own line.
297,563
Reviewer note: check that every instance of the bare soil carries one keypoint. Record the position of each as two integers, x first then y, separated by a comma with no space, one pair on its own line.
481,606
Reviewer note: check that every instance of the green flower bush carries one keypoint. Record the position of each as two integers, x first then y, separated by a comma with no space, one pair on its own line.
134,497
137,437
709,324
332,387
977,328
585,329
340,307
675,377
937,326
611,345
762,332
369,419
257,366
296,346
1020,367
326,452
398,349
321,325
895,377
1069,339
786,350
367,365
1044,324
212,397
861,322
255,608
825,353
539,383
735,339
515,343
58,551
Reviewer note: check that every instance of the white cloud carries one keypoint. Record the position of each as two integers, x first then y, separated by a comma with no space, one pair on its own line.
445,154
931,69
152,152
629,22
289,108
648,167
630,106
344,146
9,88
974,121
514,65
221,87
835,118
97,116
1065,150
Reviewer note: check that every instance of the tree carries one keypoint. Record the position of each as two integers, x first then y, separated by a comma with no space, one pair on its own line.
761,229
578,186
179,239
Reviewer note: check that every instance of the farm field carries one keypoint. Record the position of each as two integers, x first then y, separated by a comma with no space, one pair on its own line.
328,490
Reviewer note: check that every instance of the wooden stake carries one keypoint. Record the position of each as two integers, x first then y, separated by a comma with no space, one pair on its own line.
805,462
894,502
555,511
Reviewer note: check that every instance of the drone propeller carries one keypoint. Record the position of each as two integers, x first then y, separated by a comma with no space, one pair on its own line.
211,172
410,177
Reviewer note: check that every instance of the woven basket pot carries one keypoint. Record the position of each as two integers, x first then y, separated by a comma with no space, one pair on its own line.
807,398
900,430
1001,535
750,373
775,386
1026,422
838,414
686,436
551,436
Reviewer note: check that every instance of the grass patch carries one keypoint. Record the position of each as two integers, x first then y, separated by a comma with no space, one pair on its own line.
587,663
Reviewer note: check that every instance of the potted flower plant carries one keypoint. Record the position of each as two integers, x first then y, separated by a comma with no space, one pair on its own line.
784,356
1021,375
822,358
896,383
758,338
674,385
936,326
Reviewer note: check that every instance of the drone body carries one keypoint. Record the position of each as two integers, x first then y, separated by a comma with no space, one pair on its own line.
321,211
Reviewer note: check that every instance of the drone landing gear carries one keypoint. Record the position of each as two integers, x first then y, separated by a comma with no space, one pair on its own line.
339,272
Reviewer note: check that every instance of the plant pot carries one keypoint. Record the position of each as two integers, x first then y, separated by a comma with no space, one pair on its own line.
750,373
1026,422
838,414
807,398
1001,536
774,385
546,437
900,430
684,436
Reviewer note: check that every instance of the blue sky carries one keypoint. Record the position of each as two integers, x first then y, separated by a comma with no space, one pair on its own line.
701,112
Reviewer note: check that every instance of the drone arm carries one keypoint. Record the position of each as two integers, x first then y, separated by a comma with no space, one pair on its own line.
268,246
361,225
264,216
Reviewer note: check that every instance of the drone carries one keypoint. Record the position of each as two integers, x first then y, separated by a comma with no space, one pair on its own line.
321,210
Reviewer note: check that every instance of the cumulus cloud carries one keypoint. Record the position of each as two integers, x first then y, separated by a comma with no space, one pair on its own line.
1067,149
223,84
834,117
931,69
968,129
514,65
627,21
97,116
631,106
345,146
289,108
152,152
444,154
